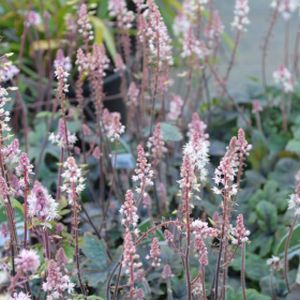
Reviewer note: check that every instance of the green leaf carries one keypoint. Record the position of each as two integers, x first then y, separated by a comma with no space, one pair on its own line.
256,267
267,216
294,244
285,171
102,33
233,294
293,146
170,132
94,249
146,225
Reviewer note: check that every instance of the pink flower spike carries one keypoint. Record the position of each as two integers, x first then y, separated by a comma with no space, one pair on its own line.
41,204
57,284
118,9
154,255
20,296
197,149
167,272
129,211
62,136
256,106
112,124
156,145
4,192
241,11
73,179
284,79
131,260
175,108
239,233
27,261
294,202
85,28
133,93
143,173
62,60
24,169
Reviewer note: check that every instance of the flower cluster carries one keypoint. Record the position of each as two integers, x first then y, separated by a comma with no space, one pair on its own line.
241,11
214,28
118,9
192,47
197,149
243,147
11,152
27,261
176,104
98,63
73,180
286,7
256,106
63,138
4,114
131,260
167,272
157,37
63,61
283,78
156,145
230,165
7,70
188,183
82,61
154,255
41,204
188,179
133,93
24,169
20,296
143,171
294,202
62,78
129,211
112,125
240,233
4,191
85,28
32,18
192,8
201,232
275,263
57,284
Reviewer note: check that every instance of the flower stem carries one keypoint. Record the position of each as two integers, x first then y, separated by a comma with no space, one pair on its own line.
243,281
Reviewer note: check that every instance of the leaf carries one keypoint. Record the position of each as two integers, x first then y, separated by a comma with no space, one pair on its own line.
97,267
285,171
170,132
255,295
267,216
233,294
94,249
294,242
102,33
256,267
293,146
146,225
